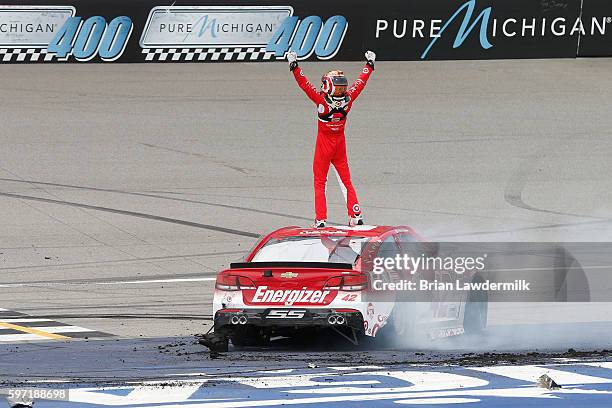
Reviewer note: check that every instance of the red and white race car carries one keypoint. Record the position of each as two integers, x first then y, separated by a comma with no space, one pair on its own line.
298,280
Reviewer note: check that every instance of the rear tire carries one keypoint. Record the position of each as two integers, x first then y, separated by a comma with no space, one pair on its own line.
249,336
215,342
401,326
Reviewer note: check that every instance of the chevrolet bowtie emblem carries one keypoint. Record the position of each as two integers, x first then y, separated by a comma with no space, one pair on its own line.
288,275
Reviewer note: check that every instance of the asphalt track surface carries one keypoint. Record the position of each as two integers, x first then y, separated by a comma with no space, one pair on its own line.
125,188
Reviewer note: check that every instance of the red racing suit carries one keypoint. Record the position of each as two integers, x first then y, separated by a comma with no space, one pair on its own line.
331,144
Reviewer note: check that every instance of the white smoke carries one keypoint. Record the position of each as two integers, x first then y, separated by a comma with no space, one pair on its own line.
531,326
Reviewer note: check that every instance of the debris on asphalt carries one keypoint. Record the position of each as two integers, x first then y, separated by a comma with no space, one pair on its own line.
312,365
20,402
546,382
215,342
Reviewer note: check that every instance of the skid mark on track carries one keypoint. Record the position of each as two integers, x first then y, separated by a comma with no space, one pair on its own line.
513,193
161,197
131,316
151,305
135,214
533,228
200,155
119,261
108,282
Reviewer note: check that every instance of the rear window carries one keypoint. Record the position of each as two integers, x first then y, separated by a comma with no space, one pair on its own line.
311,249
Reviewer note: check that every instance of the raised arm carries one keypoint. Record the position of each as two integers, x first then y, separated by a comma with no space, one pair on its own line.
361,82
303,82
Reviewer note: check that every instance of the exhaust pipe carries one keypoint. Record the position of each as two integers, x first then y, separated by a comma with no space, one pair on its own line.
336,319
238,319
333,319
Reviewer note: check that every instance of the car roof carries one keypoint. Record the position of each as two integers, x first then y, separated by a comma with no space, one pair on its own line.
367,231
370,231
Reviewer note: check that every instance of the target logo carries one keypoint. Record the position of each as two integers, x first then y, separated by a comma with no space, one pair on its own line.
370,310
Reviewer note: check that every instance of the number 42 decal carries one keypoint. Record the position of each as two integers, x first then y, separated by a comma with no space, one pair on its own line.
93,36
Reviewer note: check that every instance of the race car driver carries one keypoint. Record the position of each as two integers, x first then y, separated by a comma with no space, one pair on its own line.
333,101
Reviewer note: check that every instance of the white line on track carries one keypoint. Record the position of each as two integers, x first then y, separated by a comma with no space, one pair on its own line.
127,282
600,364
63,329
12,338
490,388
529,373
18,328
20,320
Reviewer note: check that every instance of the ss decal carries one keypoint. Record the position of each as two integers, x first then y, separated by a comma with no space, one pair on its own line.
285,314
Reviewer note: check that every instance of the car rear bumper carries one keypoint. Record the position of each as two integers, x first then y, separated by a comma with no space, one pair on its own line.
288,317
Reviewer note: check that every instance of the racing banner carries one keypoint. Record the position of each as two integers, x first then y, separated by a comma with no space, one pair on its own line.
598,12
260,30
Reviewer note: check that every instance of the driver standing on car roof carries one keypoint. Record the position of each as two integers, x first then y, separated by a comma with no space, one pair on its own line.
334,101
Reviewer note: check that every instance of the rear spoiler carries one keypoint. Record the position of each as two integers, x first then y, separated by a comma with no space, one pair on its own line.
317,265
